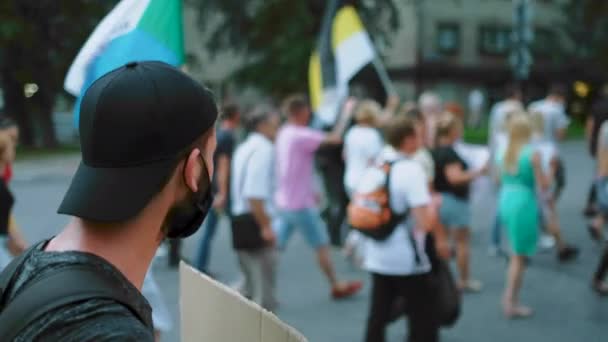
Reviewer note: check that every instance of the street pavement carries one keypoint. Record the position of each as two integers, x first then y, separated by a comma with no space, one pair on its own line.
566,308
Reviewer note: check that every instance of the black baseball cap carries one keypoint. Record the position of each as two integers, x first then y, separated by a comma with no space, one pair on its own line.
136,123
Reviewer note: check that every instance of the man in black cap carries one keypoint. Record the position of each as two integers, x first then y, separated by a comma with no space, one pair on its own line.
147,137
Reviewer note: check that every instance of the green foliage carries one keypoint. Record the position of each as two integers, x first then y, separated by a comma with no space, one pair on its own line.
60,26
586,26
38,41
277,36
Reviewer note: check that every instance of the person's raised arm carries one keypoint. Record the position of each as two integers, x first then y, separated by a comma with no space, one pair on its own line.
456,175
335,137
390,109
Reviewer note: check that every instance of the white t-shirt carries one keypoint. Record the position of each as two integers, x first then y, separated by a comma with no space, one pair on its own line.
252,173
554,117
407,189
362,145
498,115
547,152
423,156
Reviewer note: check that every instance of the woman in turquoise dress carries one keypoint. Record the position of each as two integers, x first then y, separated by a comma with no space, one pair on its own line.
520,173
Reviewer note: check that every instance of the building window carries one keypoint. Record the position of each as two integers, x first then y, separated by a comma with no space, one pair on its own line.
494,40
448,39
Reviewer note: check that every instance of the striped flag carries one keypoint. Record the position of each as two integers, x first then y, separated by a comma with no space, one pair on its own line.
135,30
344,47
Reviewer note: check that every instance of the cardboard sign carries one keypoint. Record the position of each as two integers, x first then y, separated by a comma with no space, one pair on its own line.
211,311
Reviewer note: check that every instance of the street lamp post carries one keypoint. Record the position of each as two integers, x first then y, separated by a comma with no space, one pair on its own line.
522,37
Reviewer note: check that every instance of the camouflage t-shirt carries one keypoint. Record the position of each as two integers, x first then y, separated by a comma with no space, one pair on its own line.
97,319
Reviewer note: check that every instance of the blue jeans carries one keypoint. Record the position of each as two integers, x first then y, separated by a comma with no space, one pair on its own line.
210,227
308,221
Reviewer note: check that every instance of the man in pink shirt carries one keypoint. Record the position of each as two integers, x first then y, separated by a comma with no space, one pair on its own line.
295,197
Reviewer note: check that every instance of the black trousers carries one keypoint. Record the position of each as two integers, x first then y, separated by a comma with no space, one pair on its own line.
602,268
334,214
416,290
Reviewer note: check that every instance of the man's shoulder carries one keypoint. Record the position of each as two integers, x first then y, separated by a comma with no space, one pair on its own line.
74,317
96,319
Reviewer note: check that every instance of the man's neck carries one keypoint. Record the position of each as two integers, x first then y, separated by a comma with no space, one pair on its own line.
128,247
295,122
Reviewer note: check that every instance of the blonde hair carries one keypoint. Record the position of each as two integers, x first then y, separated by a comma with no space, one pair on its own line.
505,124
538,122
520,132
368,112
446,124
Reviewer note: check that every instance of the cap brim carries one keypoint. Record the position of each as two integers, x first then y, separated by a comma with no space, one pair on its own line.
114,194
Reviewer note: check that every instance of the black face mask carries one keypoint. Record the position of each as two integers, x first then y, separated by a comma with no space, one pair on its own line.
186,218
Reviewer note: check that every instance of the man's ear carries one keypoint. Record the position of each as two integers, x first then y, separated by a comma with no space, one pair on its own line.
192,170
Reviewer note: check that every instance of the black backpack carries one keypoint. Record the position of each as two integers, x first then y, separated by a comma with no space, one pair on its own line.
67,285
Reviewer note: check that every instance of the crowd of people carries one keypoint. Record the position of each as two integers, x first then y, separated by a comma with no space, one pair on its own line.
266,186
272,187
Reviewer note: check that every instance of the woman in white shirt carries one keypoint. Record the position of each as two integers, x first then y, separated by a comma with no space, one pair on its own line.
547,199
362,145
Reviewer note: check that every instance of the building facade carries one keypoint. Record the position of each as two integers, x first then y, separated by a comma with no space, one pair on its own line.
448,46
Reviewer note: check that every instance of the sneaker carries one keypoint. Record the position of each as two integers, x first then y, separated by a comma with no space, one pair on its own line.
546,241
471,286
346,290
517,312
567,253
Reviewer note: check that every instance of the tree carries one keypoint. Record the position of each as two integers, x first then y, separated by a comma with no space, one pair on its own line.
277,36
38,41
586,26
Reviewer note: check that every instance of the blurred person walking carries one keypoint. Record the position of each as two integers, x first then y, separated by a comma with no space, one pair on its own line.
7,201
547,198
145,175
399,264
432,108
521,174
295,195
498,139
9,127
230,118
599,115
499,112
598,224
452,181
556,122
252,211
476,104
362,145
362,142
16,242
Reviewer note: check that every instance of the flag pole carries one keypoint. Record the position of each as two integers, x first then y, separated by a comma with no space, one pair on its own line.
384,79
